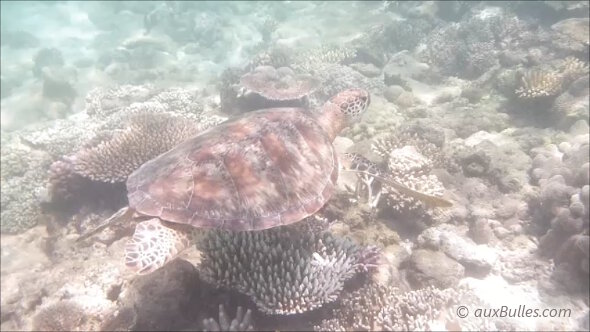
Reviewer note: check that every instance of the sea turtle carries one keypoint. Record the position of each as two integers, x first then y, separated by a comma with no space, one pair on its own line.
260,170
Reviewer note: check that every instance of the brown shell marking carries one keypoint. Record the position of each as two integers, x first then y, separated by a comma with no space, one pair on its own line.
268,168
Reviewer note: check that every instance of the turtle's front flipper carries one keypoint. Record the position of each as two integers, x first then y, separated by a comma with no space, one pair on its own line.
154,244
123,215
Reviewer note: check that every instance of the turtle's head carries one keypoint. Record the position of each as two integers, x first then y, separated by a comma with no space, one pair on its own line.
352,103
344,109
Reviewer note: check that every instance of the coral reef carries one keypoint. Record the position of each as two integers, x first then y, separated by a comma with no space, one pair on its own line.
397,35
573,105
572,68
21,187
283,271
384,144
411,168
242,321
122,319
375,307
536,84
105,101
135,124
405,162
113,103
562,205
96,173
433,268
275,57
266,87
496,157
477,259
278,84
485,92
311,60
467,48
575,28
335,78
147,136
61,316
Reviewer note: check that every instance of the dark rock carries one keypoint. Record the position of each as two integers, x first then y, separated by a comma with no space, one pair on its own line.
162,299
475,164
477,259
427,267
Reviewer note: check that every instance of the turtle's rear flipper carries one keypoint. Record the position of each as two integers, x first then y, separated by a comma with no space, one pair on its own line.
123,215
154,244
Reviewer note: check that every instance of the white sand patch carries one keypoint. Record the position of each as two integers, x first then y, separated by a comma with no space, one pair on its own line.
496,293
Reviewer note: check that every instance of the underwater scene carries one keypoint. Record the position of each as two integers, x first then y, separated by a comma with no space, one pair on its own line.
295,165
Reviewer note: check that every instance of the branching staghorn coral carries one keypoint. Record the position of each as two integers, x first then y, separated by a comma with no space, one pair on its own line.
385,308
535,84
282,270
538,83
242,321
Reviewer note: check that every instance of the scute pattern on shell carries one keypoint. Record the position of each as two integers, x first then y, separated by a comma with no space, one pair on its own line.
268,168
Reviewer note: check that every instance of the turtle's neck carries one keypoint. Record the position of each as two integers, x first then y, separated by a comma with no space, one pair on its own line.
332,120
